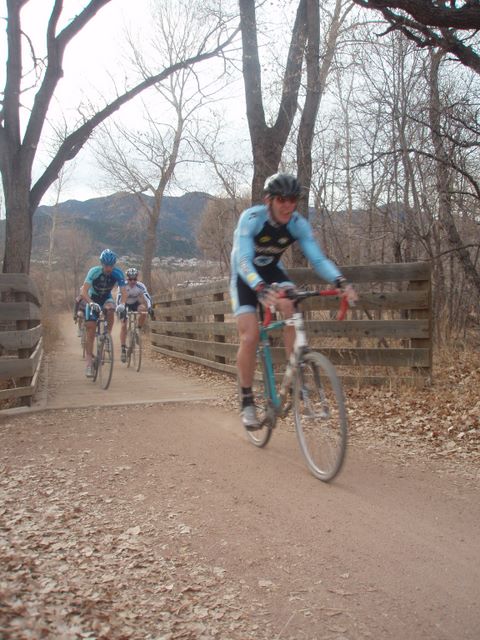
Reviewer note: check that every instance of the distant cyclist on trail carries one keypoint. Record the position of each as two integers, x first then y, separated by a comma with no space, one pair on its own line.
97,288
137,299
262,235
79,312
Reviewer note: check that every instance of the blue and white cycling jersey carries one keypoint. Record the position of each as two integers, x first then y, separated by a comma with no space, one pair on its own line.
101,283
134,292
258,242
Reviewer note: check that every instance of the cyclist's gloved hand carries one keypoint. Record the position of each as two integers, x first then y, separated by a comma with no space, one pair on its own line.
290,293
121,311
95,308
266,295
151,313
348,291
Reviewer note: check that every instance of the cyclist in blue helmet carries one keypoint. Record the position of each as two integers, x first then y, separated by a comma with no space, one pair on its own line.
97,288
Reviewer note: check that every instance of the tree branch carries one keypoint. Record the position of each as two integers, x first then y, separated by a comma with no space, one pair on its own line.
430,13
73,143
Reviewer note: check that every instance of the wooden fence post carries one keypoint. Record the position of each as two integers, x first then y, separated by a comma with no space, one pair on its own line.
423,314
219,317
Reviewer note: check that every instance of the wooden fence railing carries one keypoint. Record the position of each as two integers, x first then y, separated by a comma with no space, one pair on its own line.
21,343
389,335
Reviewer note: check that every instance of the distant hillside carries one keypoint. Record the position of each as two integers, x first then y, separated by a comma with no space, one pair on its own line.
116,221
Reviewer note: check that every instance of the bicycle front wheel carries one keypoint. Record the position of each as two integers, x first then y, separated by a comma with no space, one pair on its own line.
320,416
134,356
265,410
105,361
83,341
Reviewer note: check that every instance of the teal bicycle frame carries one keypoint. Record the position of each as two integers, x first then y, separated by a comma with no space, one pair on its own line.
319,411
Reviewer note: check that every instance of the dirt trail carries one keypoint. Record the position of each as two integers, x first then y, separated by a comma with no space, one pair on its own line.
162,521
156,382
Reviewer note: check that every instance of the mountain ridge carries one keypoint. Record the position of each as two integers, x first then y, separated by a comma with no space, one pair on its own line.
117,221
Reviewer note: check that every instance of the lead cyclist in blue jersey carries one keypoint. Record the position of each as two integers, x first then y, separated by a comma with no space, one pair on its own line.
262,235
97,288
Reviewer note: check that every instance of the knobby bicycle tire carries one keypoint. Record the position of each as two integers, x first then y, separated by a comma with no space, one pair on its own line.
83,341
96,360
134,350
105,361
265,411
320,416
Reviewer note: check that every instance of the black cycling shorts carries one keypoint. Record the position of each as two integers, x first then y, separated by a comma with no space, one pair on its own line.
244,299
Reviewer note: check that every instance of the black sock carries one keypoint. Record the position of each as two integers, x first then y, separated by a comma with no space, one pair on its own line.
247,396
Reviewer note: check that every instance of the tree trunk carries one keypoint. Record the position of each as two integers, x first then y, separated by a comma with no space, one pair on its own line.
18,229
268,142
316,82
150,246
17,155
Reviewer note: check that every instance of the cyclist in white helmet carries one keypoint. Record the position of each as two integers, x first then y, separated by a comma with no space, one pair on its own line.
137,299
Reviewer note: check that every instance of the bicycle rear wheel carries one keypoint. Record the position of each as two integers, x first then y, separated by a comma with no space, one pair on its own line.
320,416
83,340
105,361
265,411
134,352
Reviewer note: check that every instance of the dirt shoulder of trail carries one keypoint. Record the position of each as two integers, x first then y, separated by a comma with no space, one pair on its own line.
142,512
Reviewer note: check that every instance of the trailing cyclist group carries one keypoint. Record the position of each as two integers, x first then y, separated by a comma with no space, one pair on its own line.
96,298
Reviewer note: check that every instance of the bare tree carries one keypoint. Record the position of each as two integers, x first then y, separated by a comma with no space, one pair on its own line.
73,251
268,141
59,184
19,149
433,23
144,161
444,176
318,67
215,232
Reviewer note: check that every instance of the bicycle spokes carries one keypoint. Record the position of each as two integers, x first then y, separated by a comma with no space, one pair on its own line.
320,417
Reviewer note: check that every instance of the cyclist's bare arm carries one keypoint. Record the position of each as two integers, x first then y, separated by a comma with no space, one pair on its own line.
84,292
123,295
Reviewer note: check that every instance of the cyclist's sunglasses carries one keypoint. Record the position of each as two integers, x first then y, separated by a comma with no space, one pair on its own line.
133,279
289,199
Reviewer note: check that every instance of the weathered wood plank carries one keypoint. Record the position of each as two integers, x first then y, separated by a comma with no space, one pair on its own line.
12,311
197,347
17,392
347,380
374,273
25,339
378,357
200,328
212,364
398,329
389,300
343,356
397,300
195,310
21,367
16,368
18,283
201,291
